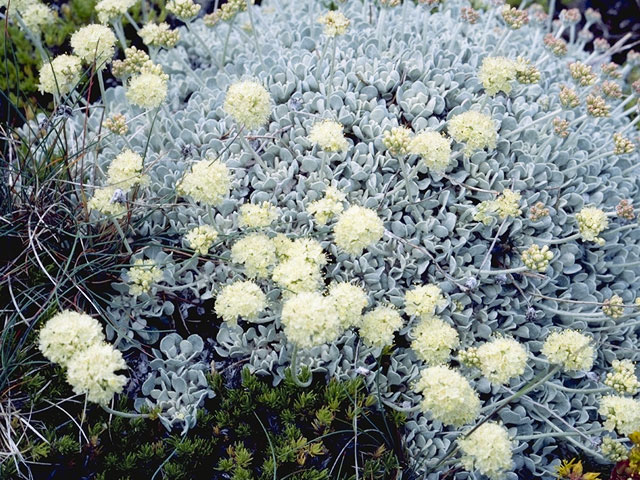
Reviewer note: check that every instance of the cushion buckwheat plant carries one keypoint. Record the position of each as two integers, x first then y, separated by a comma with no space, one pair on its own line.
418,193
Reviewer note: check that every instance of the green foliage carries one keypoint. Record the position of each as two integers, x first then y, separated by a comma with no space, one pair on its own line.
308,430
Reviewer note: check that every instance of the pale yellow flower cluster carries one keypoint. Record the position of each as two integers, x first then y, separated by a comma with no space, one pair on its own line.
113,9
349,300
142,275
76,342
570,349
487,450
242,299
379,326
356,229
329,136
582,74
301,263
447,396
424,300
507,204
149,88
613,307
434,340
537,258
37,15
497,74
591,222
476,130
61,75
501,359
66,333
159,35
335,23
397,140
257,216
310,319
125,171
249,103
622,145
117,124
623,378
208,182
434,149
94,43
201,238
256,252
93,372
328,207
226,12
106,200
620,413
183,9
613,450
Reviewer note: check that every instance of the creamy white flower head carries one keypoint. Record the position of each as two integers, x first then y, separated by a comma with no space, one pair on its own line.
501,359
61,75
614,450
497,74
297,275
424,300
183,9
537,258
147,90
113,9
306,248
447,396
434,341
487,450
67,333
159,35
335,23
379,326
208,182
256,252
621,414
94,43
106,201
350,300
329,136
434,148
36,15
93,372
249,103
142,275
397,140
257,216
125,170
19,5
474,129
357,228
328,207
242,299
591,222
201,238
569,348
310,319
623,378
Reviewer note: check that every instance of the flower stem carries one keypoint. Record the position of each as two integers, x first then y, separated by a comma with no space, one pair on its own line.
124,414
122,236
333,65
226,42
255,34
